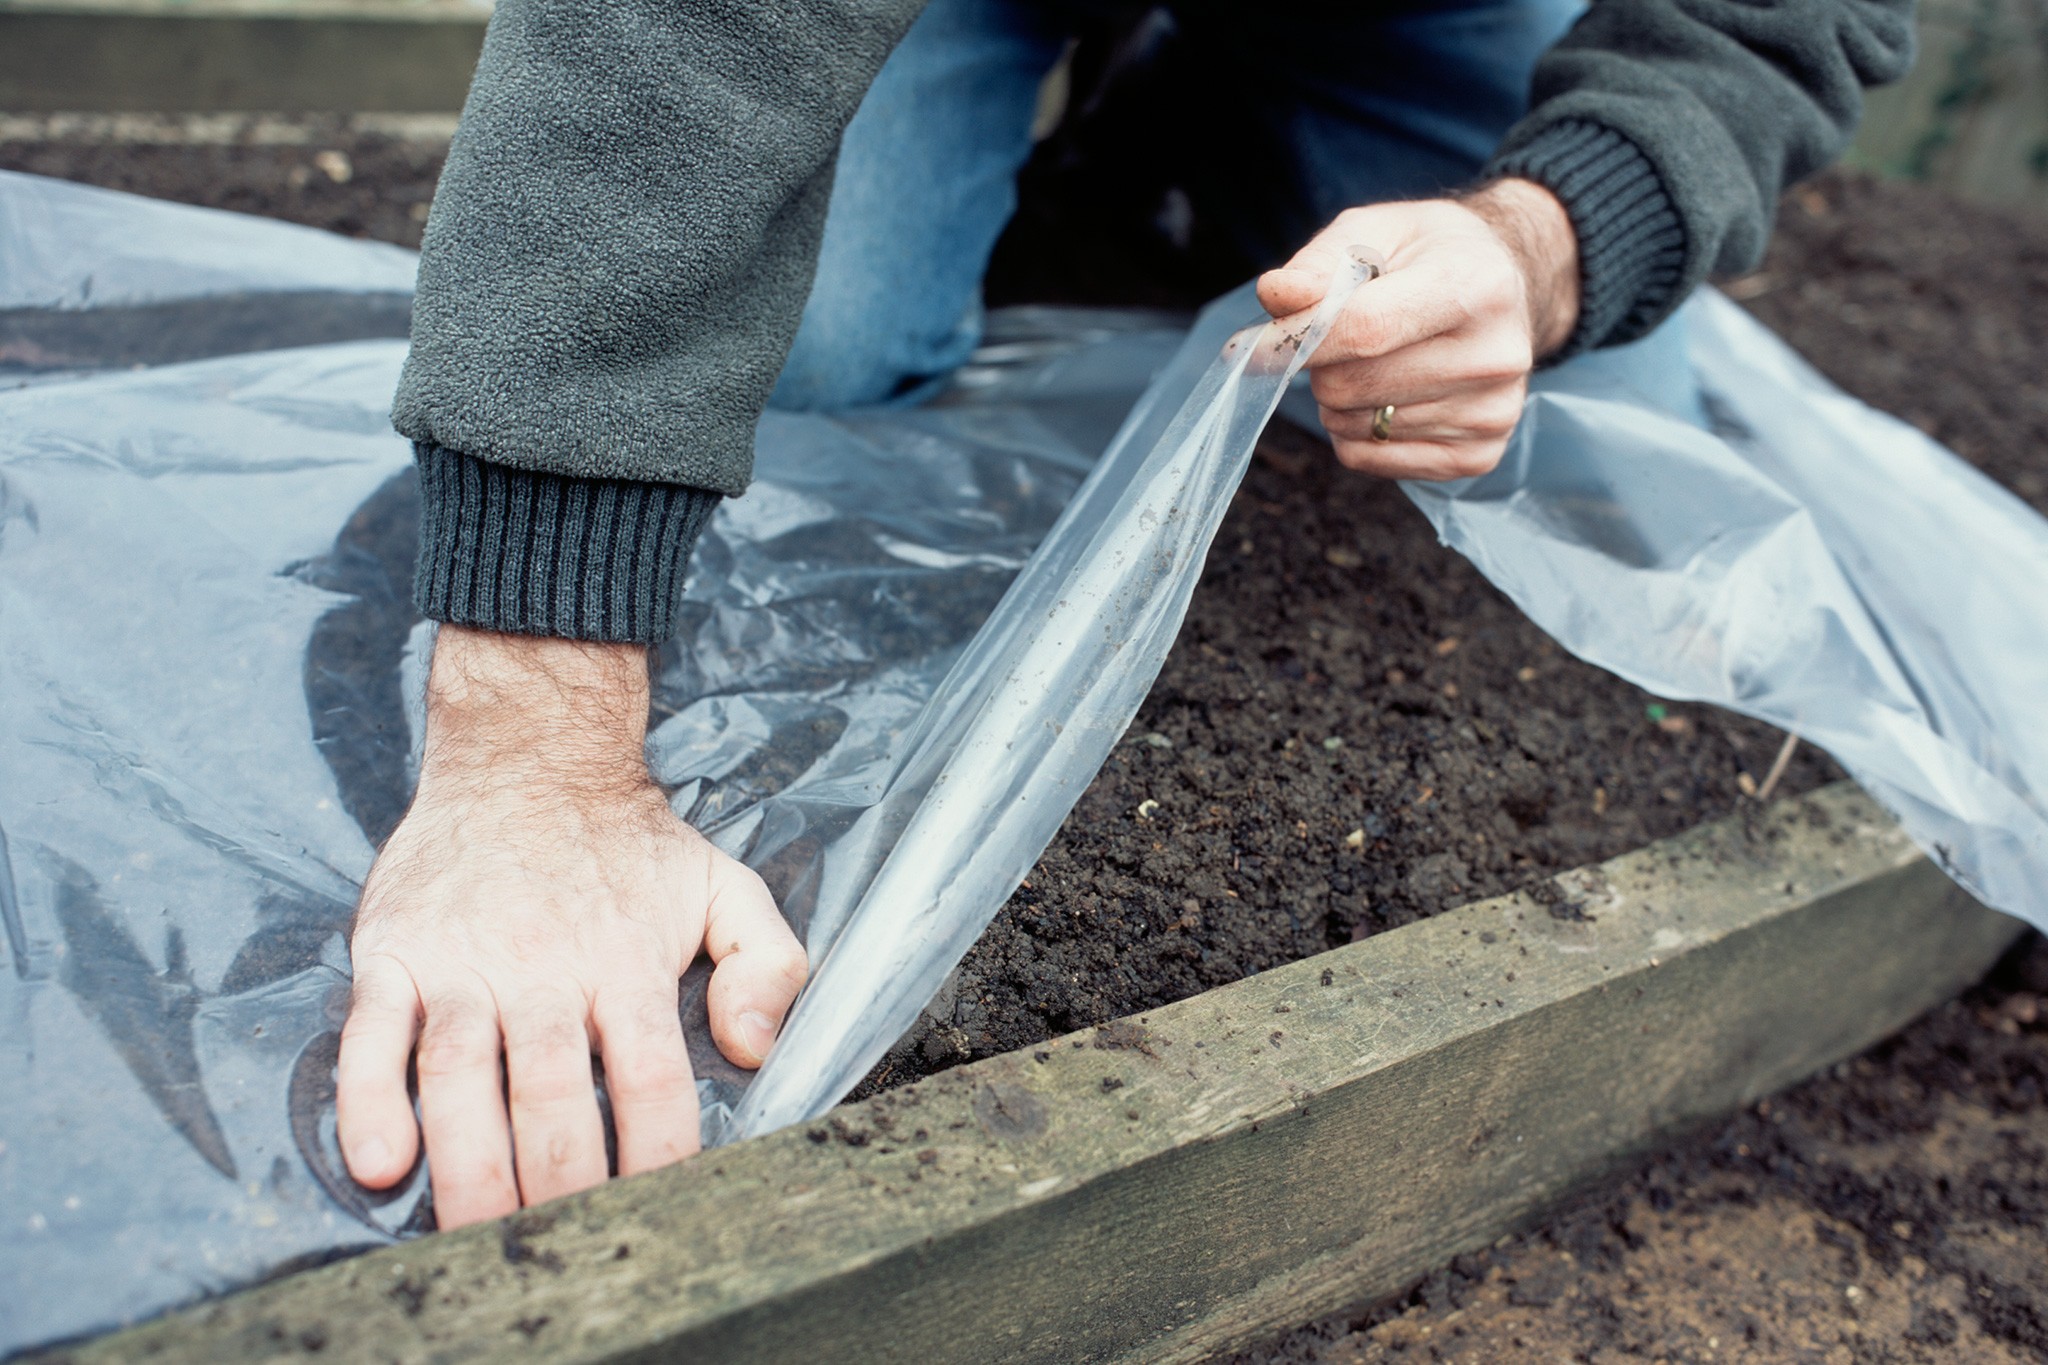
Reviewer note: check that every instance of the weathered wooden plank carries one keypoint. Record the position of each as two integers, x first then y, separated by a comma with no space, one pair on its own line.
215,55
1170,1185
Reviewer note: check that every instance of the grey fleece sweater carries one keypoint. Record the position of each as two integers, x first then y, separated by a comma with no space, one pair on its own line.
628,222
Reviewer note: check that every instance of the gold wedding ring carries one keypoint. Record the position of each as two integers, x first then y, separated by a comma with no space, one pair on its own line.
1383,424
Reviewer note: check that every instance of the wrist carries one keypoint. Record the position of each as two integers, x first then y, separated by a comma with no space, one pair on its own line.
1537,231
570,712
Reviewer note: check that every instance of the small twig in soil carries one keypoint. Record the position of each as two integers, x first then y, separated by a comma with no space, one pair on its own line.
1778,766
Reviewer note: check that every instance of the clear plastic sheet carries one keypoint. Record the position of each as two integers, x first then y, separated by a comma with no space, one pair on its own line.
210,673
1803,559
94,279
1033,707
73,246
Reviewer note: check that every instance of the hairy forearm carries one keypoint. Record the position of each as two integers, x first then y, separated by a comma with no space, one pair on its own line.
569,714
1537,231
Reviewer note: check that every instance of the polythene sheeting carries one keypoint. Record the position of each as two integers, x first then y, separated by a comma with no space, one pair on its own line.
1804,559
209,676
74,247
1031,710
210,671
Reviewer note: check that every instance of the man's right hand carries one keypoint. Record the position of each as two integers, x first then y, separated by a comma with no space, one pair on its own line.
540,901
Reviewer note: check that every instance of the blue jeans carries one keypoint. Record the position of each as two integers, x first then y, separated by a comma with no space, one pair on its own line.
1288,120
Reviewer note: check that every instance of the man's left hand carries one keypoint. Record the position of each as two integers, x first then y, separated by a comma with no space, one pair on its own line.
1475,291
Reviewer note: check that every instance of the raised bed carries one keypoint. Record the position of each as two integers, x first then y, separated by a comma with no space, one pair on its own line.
1288,646
1174,1184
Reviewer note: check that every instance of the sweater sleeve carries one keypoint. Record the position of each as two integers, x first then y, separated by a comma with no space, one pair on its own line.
614,269
1668,128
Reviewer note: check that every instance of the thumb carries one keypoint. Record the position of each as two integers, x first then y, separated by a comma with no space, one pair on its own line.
380,1138
1302,282
1295,288
760,965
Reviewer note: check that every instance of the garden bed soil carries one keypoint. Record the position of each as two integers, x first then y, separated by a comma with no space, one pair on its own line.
1355,730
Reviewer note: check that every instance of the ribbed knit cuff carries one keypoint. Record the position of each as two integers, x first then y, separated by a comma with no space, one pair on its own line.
545,554
1631,239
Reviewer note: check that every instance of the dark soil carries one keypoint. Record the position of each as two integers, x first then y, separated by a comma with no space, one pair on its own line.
1355,731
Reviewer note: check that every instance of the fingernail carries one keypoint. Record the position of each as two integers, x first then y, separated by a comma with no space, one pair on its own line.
370,1155
757,1031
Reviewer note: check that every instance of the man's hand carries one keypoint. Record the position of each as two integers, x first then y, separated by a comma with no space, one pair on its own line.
1475,291
540,895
